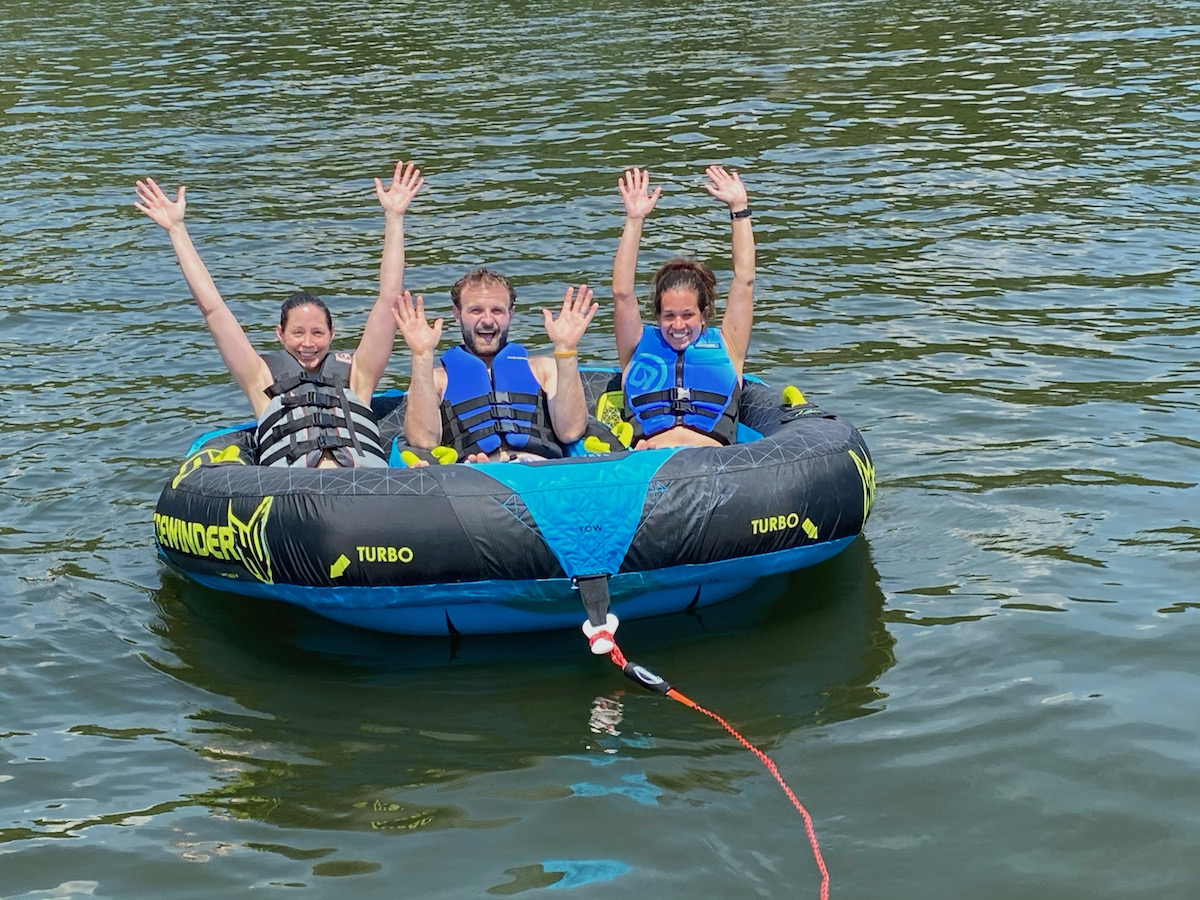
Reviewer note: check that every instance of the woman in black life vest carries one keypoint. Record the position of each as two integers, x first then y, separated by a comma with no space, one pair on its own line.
311,404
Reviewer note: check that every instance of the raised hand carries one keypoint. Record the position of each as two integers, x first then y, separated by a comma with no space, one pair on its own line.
635,191
157,205
726,187
420,336
406,182
573,319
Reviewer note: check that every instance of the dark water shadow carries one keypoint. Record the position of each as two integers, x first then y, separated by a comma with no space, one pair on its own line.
330,725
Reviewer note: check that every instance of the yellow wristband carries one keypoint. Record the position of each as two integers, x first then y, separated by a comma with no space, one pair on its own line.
564,354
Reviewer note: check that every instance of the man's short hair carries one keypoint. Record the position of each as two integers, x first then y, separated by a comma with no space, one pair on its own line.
481,277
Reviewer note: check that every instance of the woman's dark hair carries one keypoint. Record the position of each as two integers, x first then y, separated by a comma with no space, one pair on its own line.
690,274
303,298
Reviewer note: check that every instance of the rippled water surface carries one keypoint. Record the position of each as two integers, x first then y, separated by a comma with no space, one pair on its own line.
979,239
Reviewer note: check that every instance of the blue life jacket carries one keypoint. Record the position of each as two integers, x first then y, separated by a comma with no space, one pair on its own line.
479,411
696,388
311,412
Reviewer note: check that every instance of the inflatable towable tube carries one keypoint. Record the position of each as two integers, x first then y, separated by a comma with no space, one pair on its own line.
496,547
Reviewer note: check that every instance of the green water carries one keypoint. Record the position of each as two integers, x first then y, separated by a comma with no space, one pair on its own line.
979,240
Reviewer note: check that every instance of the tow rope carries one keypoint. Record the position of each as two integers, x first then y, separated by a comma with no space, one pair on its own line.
600,631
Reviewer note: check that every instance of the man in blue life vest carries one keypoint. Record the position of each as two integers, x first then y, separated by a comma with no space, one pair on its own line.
489,400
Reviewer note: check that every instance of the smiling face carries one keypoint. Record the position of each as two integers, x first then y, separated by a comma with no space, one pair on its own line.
684,293
306,334
484,315
679,317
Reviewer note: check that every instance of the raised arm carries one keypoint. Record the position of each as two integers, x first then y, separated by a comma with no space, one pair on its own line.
559,376
639,200
244,364
739,309
422,413
379,334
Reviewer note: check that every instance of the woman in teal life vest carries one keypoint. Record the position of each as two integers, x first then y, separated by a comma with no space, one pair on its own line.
680,376
312,404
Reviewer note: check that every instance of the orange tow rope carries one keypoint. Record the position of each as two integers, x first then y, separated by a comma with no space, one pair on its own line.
650,681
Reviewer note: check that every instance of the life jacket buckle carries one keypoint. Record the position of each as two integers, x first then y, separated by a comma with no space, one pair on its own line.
291,401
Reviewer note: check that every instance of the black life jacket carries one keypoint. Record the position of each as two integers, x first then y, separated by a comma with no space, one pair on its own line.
311,412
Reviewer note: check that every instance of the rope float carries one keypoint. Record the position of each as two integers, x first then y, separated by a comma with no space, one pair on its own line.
600,630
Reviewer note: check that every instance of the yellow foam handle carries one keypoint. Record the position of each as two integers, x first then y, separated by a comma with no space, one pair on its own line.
593,444
793,396
230,454
623,431
445,455
608,408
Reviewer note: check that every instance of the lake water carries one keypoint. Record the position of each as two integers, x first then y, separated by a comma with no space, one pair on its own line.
979,240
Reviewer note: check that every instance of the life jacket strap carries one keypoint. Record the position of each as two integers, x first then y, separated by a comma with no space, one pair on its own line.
497,412
285,383
323,399
501,401
465,435
325,441
680,396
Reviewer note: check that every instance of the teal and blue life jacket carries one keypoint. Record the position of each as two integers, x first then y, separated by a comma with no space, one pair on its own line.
696,388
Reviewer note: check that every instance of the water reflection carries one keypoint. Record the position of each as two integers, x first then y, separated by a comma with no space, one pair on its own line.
313,724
